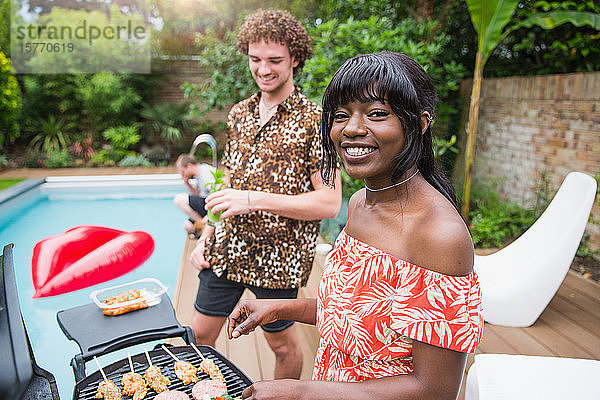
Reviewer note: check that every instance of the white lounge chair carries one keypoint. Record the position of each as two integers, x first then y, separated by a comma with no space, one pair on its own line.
512,377
518,281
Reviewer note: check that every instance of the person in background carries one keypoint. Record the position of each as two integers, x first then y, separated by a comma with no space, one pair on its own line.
192,203
275,199
399,305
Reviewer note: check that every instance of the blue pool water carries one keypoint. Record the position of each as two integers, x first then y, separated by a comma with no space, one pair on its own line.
52,208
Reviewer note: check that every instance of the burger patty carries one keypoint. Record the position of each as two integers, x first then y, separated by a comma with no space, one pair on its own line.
172,395
209,387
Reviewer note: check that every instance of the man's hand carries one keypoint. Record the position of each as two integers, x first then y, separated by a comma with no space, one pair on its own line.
197,256
230,201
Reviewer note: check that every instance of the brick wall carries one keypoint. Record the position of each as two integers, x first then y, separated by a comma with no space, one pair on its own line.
531,127
175,73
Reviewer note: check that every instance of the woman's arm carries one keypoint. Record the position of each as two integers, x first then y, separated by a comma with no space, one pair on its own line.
437,375
249,314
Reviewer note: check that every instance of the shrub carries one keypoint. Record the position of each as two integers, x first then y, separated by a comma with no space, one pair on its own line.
230,79
59,159
494,222
34,159
157,154
9,102
103,158
108,100
137,160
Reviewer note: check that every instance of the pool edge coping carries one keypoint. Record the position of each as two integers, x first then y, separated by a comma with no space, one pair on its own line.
20,188
31,183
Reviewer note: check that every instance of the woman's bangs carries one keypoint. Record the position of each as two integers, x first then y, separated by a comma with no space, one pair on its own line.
368,78
360,79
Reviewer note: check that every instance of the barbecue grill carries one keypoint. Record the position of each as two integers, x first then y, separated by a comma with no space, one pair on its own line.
235,380
20,376
96,335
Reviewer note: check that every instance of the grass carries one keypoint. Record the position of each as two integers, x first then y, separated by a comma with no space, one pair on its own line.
6,183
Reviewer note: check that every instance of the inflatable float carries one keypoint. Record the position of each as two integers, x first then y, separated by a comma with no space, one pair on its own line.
84,256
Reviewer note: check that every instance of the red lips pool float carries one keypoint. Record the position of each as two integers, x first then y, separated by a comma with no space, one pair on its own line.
84,256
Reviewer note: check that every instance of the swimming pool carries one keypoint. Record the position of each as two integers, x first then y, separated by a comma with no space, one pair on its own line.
123,202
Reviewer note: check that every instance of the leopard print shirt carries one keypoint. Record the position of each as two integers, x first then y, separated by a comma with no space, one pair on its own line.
264,249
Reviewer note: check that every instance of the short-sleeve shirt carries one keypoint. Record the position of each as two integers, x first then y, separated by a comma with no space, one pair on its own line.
371,306
260,248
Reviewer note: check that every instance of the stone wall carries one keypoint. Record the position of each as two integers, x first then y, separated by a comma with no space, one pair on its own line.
537,128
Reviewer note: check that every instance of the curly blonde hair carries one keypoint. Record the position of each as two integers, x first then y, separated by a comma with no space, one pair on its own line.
276,26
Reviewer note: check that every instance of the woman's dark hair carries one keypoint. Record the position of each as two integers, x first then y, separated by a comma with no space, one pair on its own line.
400,81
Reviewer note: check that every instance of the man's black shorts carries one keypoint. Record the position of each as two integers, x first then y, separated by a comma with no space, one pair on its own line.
217,296
197,204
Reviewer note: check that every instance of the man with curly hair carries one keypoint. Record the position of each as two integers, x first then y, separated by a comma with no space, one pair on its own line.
275,199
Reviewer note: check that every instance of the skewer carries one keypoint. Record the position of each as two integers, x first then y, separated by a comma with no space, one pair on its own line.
169,353
198,351
130,362
100,368
148,357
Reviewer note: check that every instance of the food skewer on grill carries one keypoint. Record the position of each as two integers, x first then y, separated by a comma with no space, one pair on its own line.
133,383
154,378
207,365
183,369
107,389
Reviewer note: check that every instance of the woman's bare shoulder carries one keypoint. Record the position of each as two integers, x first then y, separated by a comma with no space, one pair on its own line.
443,243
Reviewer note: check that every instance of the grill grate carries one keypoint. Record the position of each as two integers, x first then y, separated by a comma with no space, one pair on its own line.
235,380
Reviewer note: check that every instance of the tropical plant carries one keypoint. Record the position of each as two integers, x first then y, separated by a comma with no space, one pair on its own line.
168,120
82,149
51,134
121,138
489,17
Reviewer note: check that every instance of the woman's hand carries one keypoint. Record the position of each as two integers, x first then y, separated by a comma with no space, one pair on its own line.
197,256
230,201
274,390
249,314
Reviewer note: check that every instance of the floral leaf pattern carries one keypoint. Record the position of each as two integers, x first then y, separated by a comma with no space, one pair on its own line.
371,306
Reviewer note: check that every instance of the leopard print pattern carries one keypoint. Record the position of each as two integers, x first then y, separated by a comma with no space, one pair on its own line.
264,249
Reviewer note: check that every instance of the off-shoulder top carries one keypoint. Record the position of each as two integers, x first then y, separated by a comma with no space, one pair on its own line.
371,306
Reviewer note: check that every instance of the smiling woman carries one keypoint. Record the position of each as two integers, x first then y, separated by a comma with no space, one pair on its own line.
399,306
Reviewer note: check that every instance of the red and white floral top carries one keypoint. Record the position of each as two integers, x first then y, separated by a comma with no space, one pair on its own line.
371,306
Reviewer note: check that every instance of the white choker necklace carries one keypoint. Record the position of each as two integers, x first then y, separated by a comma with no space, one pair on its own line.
391,186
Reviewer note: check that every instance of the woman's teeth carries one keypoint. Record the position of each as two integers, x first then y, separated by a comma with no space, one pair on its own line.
358,151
